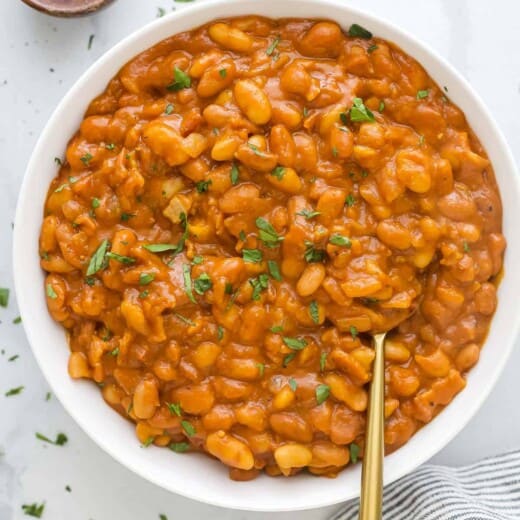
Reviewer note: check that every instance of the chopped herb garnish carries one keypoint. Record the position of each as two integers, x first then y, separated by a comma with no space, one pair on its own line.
184,319
4,296
322,393
144,294
48,396
220,332
276,329
293,384
51,293
188,428
465,247
160,248
161,11
228,289
110,146
125,217
323,361
372,48
60,188
175,409
354,452
222,73
97,260
35,510
177,447
242,235
381,106
340,240
259,284
308,213
181,80
120,258
202,284
274,270
169,109
148,441
234,174
13,358
334,151
353,331
356,31
311,254
146,278
58,161
253,256
269,51
90,281
305,111
422,94
68,488
267,234
255,149
288,358
261,369
14,391
115,352
350,200
85,159
186,271
295,343
278,172
360,113
202,186
314,312
90,41
421,140
95,203
344,117
61,439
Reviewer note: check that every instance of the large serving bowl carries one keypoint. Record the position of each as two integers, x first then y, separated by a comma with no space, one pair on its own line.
195,475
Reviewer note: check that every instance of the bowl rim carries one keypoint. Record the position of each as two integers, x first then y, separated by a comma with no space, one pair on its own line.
406,458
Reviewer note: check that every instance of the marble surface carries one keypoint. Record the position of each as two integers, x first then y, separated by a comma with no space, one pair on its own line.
40,58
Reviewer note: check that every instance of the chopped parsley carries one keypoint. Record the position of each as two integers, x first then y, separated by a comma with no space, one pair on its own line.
259,284
97,261
146,278
220,332
177,447
51,293
185,320
197,260
353,331
356,31
58,161
222,73
261,369
293,384
322,393
186,272
274,270
175,409
359,113
276,329
323,361
465,247
234,174
13,358
350,200
110,146
340,240
272,47
126,260
35,510
61,439
188,428
203,186
85,159
115,352
95,203
295,343
422,94
181,80
278,172
169,109
202,284
90,41
253,256
381,106
148,441
125,217
267,233
312,254
14,391
314,312
354,452
372,48
256,150
160,248
4,297
308,213
288,358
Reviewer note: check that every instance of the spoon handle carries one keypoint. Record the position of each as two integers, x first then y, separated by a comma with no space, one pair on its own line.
372,471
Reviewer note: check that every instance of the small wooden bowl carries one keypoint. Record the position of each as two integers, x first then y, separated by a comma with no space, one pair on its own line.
67,7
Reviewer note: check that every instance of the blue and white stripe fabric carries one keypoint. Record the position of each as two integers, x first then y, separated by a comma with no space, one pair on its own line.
487,490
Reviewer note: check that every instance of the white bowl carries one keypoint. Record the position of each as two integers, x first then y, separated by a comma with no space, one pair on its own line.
195,475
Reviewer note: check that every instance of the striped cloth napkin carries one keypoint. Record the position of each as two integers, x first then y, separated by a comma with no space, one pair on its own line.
487,490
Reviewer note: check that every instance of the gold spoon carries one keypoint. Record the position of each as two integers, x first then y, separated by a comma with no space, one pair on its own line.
371,500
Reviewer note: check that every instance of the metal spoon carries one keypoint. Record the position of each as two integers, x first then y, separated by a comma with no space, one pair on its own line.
371,500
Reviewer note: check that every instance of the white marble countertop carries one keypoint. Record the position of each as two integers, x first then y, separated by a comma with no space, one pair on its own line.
40,57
